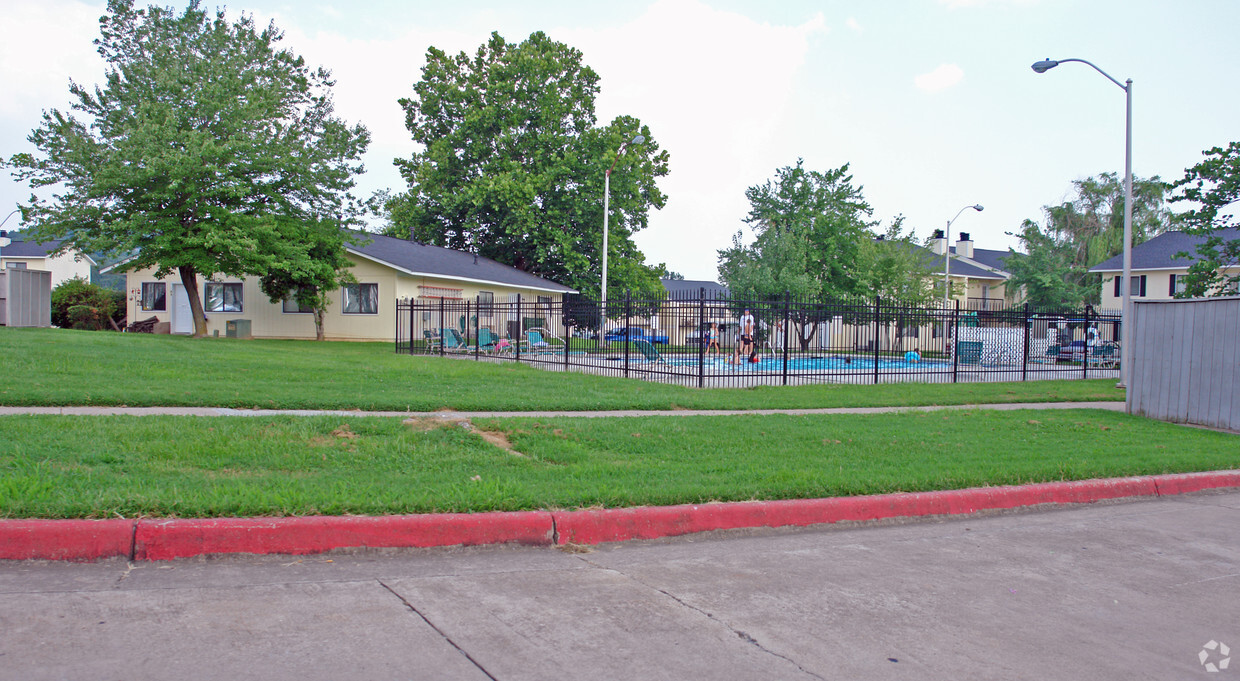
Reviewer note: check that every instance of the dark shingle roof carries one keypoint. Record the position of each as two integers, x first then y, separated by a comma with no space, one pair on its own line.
692,287
29,249
423,260
990,257
1159,253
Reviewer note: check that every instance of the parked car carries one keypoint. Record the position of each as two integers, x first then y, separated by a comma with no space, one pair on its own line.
634,333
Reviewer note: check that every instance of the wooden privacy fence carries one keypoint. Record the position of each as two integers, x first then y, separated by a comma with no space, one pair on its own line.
1186,361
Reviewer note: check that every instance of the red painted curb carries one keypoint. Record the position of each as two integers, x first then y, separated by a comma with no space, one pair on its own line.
79,540
1183,483
168,539
84,540
621,524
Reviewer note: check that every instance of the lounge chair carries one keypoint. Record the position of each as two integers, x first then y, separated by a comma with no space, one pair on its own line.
1049,357
431,341
540,341
1104,356
648,351
486,341
454,342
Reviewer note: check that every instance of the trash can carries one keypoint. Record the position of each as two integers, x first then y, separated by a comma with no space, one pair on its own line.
237,328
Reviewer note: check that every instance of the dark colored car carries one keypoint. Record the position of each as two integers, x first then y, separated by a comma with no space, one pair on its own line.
633,333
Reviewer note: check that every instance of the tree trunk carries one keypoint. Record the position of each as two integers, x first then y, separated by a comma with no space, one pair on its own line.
319,313
189,279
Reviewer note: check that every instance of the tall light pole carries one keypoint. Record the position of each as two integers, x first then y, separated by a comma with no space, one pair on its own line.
947,251
1125,347
4,236
637,139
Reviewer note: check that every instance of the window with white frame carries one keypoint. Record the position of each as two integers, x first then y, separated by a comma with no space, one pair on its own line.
486,303
360,299
223,297
154,296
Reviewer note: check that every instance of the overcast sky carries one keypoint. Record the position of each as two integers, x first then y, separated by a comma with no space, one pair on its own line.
932,102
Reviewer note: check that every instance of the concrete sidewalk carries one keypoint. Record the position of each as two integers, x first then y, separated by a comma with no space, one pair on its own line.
457,415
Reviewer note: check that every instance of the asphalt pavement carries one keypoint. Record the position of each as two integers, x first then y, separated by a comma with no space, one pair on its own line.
1131,590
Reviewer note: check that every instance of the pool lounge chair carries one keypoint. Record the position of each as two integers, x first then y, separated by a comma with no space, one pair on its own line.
540,341
486,341
431,341
454,342
1049,357
1104,356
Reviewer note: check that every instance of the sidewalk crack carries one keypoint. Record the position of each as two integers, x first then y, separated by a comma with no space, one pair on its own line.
744,636
439,631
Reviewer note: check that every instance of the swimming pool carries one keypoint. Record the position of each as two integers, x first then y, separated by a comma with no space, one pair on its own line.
821,364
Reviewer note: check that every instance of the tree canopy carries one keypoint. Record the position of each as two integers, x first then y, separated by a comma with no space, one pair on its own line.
1079,233
207,150
809,230
512,165
1214,186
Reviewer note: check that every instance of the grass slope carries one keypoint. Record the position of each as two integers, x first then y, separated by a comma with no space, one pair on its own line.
70,467
54,367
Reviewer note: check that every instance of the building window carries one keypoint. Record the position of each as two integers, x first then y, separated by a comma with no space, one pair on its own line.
292,306
1179,284
1137,290
154,296
486,303
15,265
360,298
223,297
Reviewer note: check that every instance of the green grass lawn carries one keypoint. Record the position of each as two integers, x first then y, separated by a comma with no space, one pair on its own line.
68,467
59,367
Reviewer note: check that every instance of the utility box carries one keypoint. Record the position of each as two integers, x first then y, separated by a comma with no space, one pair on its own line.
237,328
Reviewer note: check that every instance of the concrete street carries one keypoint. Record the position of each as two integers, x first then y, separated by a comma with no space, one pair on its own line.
1129,590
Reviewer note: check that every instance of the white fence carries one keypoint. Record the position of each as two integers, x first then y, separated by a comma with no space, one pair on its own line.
1186,361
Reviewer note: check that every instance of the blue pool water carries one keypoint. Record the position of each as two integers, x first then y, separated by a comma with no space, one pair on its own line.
826,364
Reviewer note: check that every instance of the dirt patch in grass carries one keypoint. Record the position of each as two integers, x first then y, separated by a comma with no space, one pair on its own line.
425,424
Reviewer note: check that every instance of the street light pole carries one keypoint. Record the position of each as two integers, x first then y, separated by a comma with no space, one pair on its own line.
637,139
4,236
1125,346
947,250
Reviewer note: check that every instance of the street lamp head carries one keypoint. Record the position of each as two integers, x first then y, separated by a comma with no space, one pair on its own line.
977,207
1044,65
639,139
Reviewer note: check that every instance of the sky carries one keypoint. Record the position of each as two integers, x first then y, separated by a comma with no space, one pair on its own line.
931,102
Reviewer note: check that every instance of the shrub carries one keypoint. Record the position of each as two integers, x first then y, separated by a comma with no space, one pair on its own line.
78,304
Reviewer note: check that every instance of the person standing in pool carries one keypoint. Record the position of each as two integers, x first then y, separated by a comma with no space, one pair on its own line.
744,344
913,356
712,339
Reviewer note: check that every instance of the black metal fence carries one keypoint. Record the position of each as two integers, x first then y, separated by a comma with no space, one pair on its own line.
696,340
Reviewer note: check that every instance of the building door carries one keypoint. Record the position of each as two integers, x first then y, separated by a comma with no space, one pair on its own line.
182,315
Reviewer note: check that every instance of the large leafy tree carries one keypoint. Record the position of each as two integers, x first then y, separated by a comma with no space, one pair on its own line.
512,165
1214,186
1079,233
207,150
809,229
